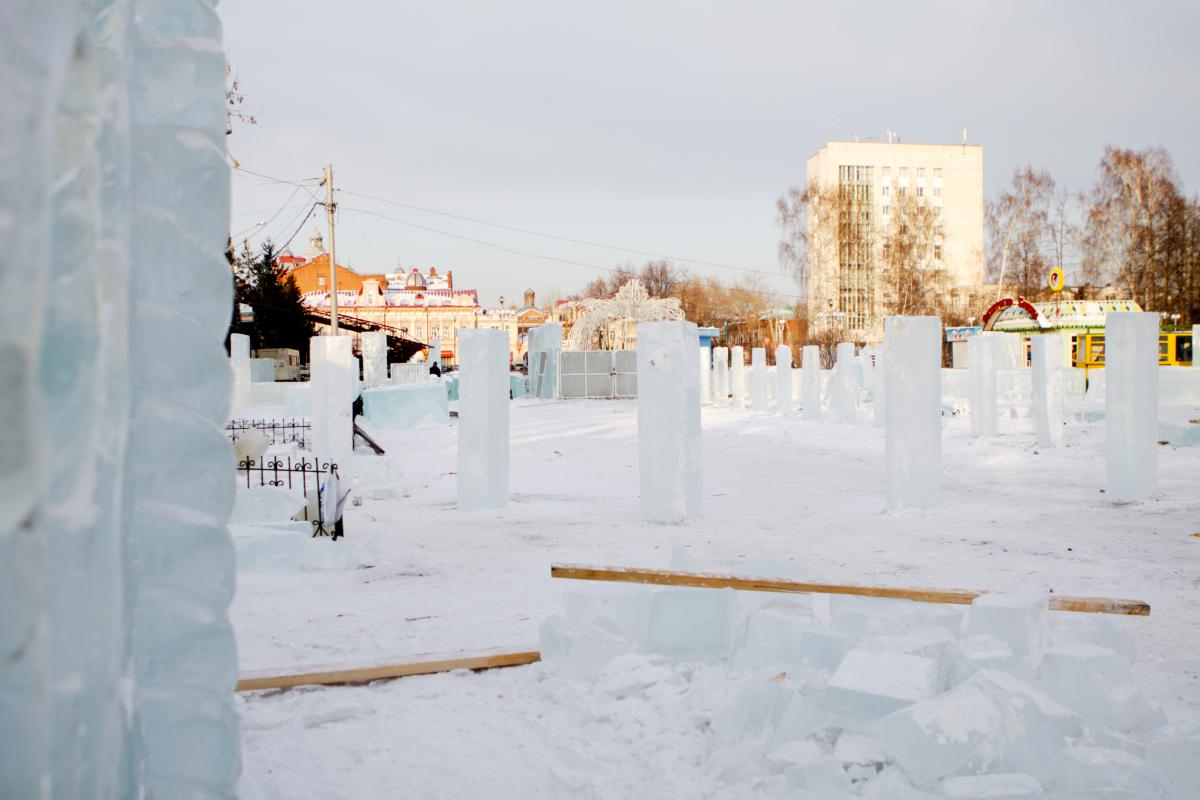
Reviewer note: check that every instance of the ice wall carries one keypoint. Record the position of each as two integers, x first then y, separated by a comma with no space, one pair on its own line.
1046,361
483,419
706,383
116,658
783,379
545,343
737,376
845,385
913,409
1131,404
720,375
758,379
810,382
374,354
333,389
669,467
982,354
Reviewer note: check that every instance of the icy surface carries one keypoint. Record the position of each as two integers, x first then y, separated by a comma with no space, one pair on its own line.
810,382
407,406
669,455
737,376
1045,361
374,354
913,435
983,352
783,378
1131,404
758,379
844,402
483,456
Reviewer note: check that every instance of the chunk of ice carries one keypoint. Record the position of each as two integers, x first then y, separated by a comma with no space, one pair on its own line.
1174,755
577,650
1019,620
753,709
691,624
1081,768
1096,629
994,786
825,777
868,685
405,406
1083,676
774,637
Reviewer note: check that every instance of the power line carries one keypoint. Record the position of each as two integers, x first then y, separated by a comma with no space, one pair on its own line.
522,253
239,168
560,238
273,216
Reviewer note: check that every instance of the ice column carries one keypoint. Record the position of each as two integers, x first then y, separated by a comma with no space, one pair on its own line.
332,388
879,394
668,421
240,363
706,382
913,433
545,343
483,419
435,353
982,354
1046,361
758,379
810,382
783,379
721,375
737,376
845,384
374,354
1131,404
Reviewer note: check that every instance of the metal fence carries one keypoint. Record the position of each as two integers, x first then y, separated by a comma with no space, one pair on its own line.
298,473
597,374
276,431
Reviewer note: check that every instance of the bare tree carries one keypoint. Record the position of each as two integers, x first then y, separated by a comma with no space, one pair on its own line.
912,279
1017,223
235,102
1064,234
661,278
809,241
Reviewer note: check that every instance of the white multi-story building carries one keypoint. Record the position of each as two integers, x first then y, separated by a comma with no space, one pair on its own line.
843,282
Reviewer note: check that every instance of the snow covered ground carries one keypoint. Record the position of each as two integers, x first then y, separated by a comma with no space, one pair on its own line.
1013,517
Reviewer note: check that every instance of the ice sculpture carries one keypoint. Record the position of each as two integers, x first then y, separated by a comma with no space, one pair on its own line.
982,354
1046,363
783,379
1131,404
845,385
118,660
913,430
483,419
631,303
333,385
810,382
758,379
668,421
374,355
737,376
720,375
545,343
705,366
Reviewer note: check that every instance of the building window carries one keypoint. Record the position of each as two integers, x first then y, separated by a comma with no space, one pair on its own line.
903,190
887,210
920,172
886,190
920,191
937,172
887,172
320,280
937,191
904,172
937,252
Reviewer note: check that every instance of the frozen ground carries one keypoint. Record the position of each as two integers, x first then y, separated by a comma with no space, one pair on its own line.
1013,517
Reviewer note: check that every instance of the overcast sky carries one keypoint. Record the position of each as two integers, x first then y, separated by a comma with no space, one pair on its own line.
669,127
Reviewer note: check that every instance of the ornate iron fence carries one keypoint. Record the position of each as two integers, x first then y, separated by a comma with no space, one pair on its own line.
304,473
281,431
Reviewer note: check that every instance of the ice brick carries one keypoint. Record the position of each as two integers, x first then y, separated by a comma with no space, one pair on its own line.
580,650
1174,755
1082,676
705,366
720,357
982,354
810,382
669,456
775,637
691,624
1081,768
627,611
758,379
869,684
913,437
333,384
824,776
374,354
413,405
483,447
994,786
844,405
1019,620
1131,404
783,379
737,376
1046,358
1096,629
753,709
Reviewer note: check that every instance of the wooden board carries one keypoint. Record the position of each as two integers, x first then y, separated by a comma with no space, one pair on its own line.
328,676
664,577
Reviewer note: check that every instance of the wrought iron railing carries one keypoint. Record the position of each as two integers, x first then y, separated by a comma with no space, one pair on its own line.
302,473
276,431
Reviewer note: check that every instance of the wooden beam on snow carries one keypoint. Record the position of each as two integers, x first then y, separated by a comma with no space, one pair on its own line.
332,676
707,580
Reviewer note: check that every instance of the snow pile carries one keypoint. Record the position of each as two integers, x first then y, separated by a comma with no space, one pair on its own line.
829,697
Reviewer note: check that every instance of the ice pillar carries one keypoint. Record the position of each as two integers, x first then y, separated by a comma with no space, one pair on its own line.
720,375
737,376
879,393
1046,362
1131,404
483,419
913,432
545,343
706,381
845,384
374,354
332,388
982,354
758,379
783,379
668,421
810,382
239,362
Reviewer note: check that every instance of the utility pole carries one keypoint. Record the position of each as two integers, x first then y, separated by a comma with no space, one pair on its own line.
330,207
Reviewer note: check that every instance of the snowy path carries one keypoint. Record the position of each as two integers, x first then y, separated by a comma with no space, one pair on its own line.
775,489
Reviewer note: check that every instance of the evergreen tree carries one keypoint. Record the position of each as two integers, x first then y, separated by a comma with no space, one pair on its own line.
279,313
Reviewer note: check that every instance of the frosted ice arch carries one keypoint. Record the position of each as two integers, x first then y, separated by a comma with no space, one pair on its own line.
631,302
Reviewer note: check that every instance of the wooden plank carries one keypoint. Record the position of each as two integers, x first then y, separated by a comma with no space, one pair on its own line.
331,676
664,577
